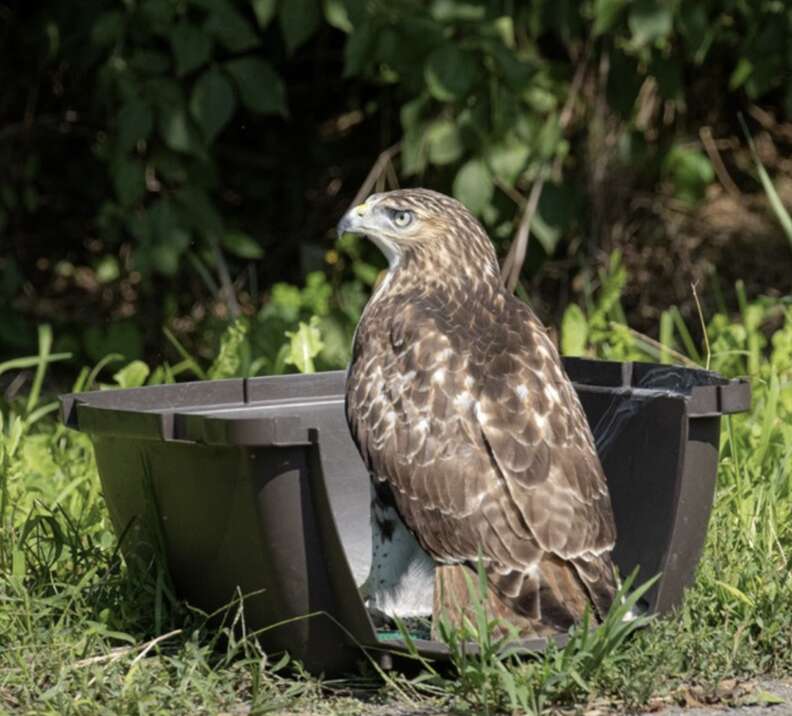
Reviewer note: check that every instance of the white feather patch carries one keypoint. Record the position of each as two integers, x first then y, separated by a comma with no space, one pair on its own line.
401,580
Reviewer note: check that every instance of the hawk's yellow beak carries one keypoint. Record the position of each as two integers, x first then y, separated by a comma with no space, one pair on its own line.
352,221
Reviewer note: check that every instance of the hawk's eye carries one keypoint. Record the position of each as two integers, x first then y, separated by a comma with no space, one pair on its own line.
402,218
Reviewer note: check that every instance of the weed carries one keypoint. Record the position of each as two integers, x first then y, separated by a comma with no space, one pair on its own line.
83,631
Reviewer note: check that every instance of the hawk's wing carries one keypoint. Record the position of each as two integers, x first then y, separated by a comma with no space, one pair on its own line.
471,421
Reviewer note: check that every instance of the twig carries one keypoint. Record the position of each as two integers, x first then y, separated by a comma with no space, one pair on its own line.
657,345
717,163
148,646
111,656
512,265
377,171
120,651
225,280
703,325
770,123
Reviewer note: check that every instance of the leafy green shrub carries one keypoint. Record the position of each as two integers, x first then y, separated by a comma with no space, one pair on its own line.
185,139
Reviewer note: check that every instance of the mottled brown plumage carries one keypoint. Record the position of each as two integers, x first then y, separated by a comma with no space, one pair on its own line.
468,424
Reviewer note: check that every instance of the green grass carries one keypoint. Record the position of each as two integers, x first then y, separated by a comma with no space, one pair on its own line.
83,632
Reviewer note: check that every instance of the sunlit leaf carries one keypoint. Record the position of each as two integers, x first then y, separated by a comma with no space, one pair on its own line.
242,245
443,142
690,171
574,331
473,185
265,11
337,15
304,345
132,375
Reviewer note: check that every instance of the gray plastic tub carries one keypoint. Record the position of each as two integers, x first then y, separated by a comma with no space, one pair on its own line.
256,486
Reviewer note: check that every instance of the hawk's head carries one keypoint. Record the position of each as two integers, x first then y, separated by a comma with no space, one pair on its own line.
422,222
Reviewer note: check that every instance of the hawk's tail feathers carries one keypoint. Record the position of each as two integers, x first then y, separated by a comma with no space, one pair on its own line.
548,600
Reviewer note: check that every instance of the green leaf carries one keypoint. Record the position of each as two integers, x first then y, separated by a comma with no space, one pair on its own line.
132,375
508,158
337,15
317,293
191,46
199,212
413,153
450,73
649,21
443,142
606,12
690,171
18,563
166,259
129,181
359,50
260,87
696,29
741,73
299,19
135,121
108,28
177,132
212,102
229,358
549,136
473,185
304,345
766,698
242,245
264,11
149,62
122,337
107,269
231,29
164,92
518,73
456,11
546,234
574,331
159,13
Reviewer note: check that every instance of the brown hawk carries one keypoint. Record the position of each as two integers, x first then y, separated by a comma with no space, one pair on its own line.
473,435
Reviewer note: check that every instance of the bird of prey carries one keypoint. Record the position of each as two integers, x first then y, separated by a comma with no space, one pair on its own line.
474,437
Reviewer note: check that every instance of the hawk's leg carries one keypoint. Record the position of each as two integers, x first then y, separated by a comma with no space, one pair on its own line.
401,579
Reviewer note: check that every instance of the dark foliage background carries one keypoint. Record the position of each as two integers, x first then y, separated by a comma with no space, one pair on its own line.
182,163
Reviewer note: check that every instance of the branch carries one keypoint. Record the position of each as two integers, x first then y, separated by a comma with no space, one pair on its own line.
717,163
513,263
377,171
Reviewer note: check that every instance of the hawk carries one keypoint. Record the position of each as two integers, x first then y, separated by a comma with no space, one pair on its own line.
474,437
